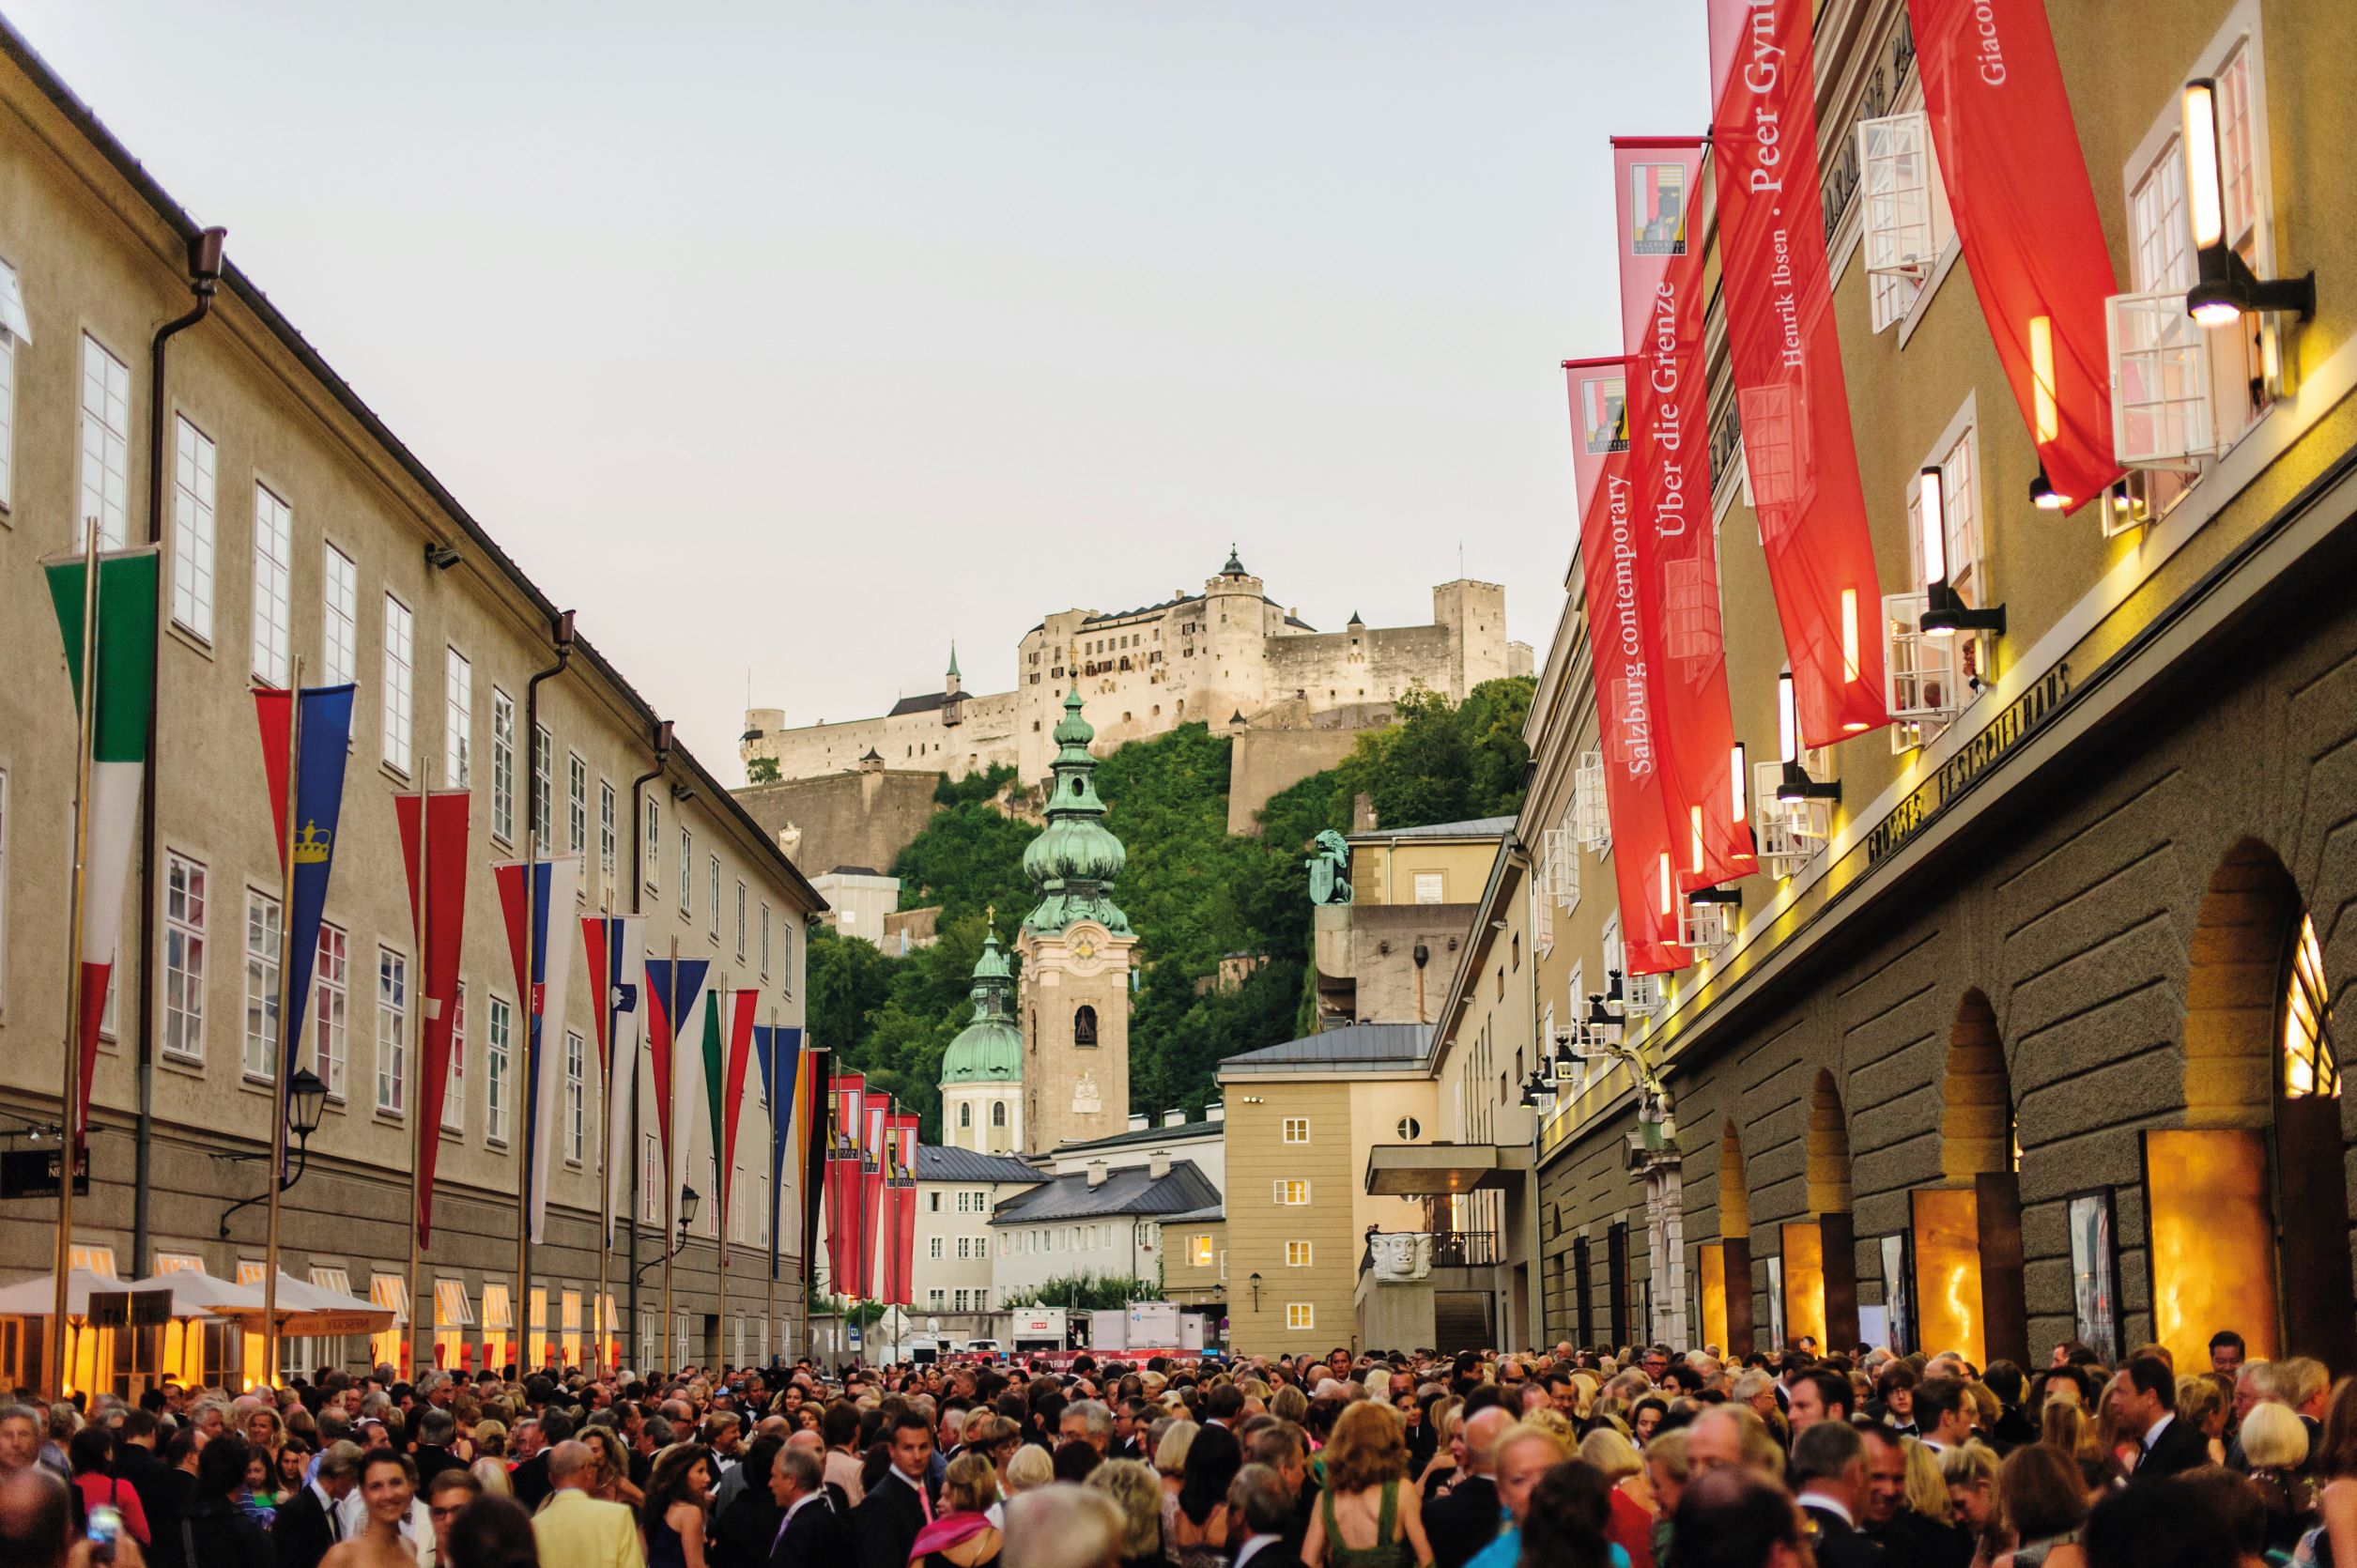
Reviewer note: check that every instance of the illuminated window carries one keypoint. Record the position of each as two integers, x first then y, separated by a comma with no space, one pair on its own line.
1293,1194
1297,1255
2310,1069
1199,1251
1299,1314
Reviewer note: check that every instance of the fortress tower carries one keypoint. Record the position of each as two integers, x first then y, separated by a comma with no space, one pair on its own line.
1075,945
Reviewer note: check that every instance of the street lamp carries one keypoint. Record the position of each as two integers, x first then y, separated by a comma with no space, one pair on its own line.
1255,1283
306,1102
2226,289
687,1201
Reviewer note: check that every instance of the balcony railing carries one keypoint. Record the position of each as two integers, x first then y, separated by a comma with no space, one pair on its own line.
1458,1248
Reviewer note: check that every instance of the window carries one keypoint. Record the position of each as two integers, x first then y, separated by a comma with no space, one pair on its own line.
687,871
273,580
1956,455
1410,1129
711,894
105,447
1199,1251
192,516
1431,887
712,1199
1085,1026
608,846
935,1299
330,1011
1292,1193
654,843
998,1112
262,931
543,788
502,766
400,628
2311,1068
1297,1255
497,1055
393,1032
576,808
932,1249
183,958
455,1079
740,922
11,323
1297,1130
764,942
576,1099
965,1247
1299,1314
934,1203
1905,221
965,1118
457,720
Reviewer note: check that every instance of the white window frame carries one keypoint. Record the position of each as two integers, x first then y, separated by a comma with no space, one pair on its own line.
339,617
1957,451
712,896
575,1097
1906,234
262,932
1300,1315
609,831
1291,1191
499,1068
654,845
687,871
932,1250
764,938
577,810
11,315
186,895
393,1032
502,766
274,584
544,785
194,465
1297,1254
330,1008
400,670
740,919
1295,1125
455,1079
650,1179
104,474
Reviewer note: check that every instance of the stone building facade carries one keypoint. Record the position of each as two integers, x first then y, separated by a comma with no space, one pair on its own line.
293,524
1228,653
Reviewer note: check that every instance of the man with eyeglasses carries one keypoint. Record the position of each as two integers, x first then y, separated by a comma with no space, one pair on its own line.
445,1494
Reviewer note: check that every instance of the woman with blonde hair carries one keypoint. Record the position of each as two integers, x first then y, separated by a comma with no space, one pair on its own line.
1170,1454
1925,1489
2201,1406
1970,1472
613,1466
1367,1517
1031,1467
1629,1523
961,1533
1138,1493
2275,1446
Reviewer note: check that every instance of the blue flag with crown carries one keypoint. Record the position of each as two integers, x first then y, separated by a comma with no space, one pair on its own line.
317,750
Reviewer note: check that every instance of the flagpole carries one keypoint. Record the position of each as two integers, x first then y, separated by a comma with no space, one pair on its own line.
606,1128
285,1013
428,1121
671,1178
533,1042
86,734
778,1080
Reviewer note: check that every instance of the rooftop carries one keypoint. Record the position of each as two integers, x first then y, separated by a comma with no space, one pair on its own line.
1145,1137
938,1162
1478,827
1212,1215
1133,1189
924,704
1363,1045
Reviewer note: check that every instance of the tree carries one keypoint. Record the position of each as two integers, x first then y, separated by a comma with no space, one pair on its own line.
762,770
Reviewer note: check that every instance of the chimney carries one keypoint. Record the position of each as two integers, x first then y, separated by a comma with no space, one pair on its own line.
1138,1121
1096,1174
1157,1164
1216,1111
1176,1118
1363,812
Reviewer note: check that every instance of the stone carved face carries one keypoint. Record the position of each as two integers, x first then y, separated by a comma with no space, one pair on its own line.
1397,1256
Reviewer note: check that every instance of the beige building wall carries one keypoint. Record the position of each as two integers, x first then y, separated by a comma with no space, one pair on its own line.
99,255
1195,1260
1391,869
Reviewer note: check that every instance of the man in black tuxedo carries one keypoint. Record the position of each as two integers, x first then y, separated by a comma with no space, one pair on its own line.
886,1524
1904,1535
1468,1519
2143,1400
810,1533
1830,1470
436,1429
306,1525
529,1480
1258,1499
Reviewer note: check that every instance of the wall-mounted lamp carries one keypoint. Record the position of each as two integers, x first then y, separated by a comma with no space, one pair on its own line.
2226,289
1715,896
682,793
440,556
1796,784
1738,786
1945,614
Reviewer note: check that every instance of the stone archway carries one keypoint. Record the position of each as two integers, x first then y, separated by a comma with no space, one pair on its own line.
1967,1230
1819,1252
1724,1267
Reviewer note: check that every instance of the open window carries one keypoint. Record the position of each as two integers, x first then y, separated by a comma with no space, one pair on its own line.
1905,221
1559,864
1788,832
1705,928
1591,818
1924,677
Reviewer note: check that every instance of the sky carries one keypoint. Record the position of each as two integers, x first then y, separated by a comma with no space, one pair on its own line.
787,341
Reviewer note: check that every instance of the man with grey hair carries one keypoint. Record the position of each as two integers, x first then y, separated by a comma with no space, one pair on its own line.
1063,1526
1086,1421
1466,1520
307,1524
1258,1500
1829,1471
809,1531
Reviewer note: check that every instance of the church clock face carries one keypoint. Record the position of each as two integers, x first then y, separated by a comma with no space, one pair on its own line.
1085,948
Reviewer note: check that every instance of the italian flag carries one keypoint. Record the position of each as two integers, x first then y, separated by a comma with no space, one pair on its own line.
124,694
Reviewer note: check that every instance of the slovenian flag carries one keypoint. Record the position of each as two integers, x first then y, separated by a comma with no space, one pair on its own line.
612,945
551,968
123,698
674,1031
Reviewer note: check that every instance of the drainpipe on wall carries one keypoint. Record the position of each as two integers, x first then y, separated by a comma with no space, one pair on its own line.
561,635
1533,1305
638,907
204,280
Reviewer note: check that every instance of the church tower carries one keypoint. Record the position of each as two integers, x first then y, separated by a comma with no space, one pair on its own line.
982,1072
1075,947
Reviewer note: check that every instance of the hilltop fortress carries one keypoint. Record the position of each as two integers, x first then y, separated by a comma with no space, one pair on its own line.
1228,656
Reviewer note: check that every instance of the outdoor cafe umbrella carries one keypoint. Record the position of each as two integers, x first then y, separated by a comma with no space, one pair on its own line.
305,1311
38,1296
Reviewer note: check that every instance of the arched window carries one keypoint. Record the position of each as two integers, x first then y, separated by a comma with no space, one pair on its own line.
998,1112
966,1116
1085,1026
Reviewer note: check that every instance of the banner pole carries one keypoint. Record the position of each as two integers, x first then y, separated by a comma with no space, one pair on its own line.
427,1122
606,1128
778,1080
285,1013
670,1180
69,1105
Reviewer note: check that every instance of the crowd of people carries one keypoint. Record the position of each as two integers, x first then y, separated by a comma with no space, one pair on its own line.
1640,1458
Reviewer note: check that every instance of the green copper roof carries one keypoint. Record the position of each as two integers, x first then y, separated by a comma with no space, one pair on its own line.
1075,862
954,677
989,1049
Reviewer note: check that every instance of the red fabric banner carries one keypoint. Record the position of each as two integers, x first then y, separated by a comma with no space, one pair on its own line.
2025,213
876,1116
1654,182
1616,659
737,1036
901,1213
843,1211
1786,358
440,924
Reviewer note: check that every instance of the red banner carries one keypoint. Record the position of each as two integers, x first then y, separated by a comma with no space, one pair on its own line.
737,1036
843,1209
2025,213
1786,359
1616,659
1655,182
875,1115
899,1212
439,921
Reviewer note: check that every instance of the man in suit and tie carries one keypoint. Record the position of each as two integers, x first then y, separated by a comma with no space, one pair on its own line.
306,1524
886,1522
809,1531
578,1529
1830,1470
1258,1499
2143,1399
1468,1518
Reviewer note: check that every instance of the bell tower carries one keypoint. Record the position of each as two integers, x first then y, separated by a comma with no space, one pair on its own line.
1076,947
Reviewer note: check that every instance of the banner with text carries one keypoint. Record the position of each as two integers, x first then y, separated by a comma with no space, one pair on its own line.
1786,359
1655,181
2033,241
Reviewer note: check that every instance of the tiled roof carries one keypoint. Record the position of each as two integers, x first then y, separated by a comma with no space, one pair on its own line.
924,704
1379,1045
1213,1214
1133,1189
937,1162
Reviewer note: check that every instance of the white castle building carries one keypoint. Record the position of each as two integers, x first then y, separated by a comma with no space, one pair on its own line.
1226,657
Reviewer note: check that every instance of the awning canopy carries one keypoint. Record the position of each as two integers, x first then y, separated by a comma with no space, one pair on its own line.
38,1296
1440,1169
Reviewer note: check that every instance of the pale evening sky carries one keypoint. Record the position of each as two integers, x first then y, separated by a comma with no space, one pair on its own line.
799,338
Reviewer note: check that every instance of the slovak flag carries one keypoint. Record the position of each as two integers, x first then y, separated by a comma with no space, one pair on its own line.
551,888
612,945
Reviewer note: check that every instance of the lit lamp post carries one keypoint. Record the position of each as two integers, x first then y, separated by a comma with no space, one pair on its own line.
2226,289
1794,783
1945,612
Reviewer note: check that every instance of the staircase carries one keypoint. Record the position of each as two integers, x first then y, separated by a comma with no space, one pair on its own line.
1463,1320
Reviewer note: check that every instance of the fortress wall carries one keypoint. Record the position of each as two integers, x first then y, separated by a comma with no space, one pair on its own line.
846,819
